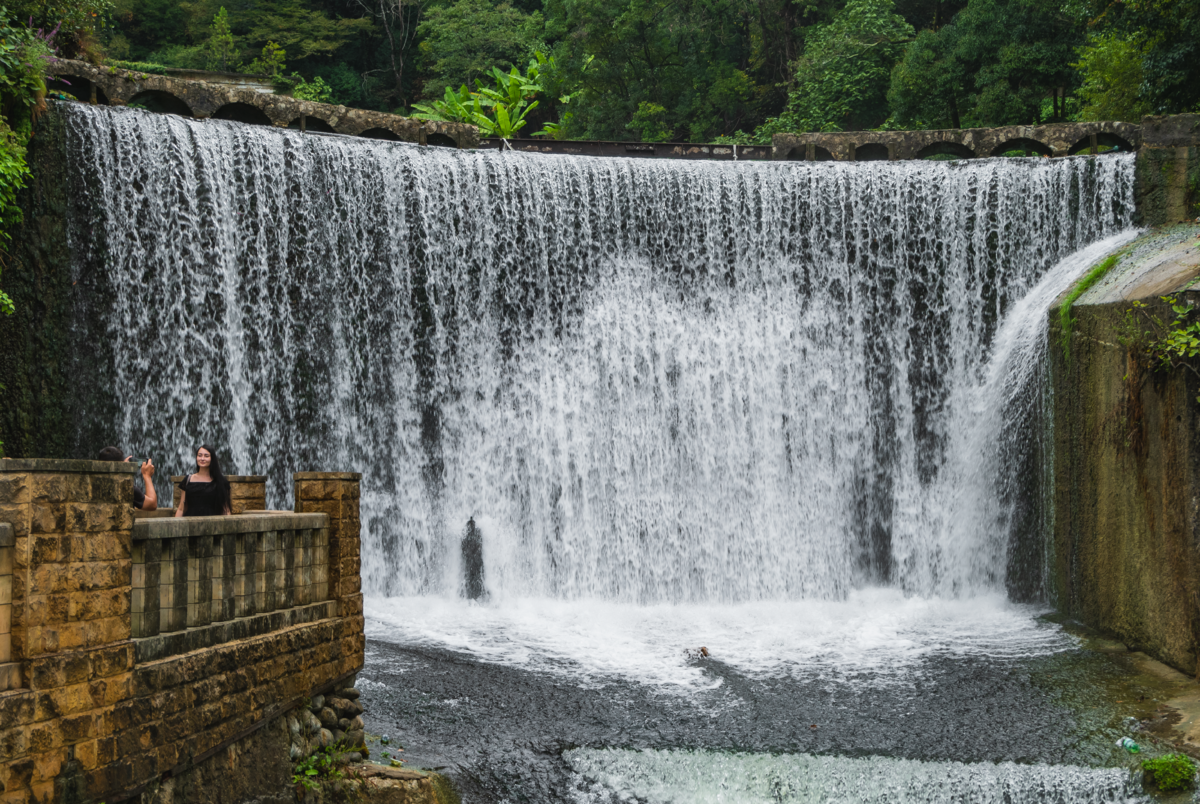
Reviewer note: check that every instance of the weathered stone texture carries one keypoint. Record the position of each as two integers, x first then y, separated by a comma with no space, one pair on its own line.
100,715
1127,470
205,99
1058,139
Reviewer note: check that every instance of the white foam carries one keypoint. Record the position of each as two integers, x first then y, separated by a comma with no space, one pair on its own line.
876,635
702,777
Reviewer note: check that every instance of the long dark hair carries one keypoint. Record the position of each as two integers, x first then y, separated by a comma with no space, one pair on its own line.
214,469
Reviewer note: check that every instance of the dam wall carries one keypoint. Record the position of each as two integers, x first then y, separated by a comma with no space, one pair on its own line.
1125,554
160,658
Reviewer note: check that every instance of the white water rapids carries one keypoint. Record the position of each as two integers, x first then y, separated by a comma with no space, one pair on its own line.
647,381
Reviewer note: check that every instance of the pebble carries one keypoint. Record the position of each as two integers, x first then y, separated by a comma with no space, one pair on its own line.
339,736
318,701
326,738
356,738
327,717
344,724
353,756
313,722
295,753
349,693
357,723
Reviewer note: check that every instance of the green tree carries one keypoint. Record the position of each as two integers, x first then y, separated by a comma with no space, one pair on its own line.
271,62
222,50
997,63
649,121
927,85
1170,30
842,78
1110,67
1020,52
465,40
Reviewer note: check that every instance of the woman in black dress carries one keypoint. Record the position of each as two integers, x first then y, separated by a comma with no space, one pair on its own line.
205,493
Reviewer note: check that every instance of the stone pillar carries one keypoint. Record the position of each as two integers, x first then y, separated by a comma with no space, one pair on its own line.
247,492
70,524
336,494
1167,187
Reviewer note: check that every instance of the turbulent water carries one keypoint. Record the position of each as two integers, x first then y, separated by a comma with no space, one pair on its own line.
644,381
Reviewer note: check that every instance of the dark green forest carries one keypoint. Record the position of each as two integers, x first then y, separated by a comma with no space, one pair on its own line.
671,70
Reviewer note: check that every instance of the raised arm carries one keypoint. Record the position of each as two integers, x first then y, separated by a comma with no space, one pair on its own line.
151,501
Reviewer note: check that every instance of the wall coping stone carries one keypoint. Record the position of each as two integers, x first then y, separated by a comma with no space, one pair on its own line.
1171,131
7,536
328,475
186,526
67,466
162,646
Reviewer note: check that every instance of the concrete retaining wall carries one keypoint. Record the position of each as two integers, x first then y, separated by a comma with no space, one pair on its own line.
1126,541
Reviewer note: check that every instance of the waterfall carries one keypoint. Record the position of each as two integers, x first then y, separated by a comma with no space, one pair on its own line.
641,381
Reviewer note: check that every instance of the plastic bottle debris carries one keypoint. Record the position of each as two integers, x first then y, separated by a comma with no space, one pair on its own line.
385,739
1129,745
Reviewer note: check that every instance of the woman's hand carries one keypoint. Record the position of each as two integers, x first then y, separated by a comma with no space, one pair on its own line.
179,508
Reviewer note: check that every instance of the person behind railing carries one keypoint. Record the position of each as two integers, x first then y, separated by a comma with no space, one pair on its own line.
206,492
146,501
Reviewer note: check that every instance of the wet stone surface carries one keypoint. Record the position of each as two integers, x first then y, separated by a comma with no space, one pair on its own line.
500,732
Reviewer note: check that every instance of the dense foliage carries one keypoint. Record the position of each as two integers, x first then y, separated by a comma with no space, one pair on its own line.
659,70
733,70
24,55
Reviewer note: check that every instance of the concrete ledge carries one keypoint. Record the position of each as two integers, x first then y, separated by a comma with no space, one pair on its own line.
7,537
164,646
186,526
67,466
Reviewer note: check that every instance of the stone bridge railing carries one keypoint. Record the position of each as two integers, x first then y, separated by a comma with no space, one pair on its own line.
134,649
201,99
1058,139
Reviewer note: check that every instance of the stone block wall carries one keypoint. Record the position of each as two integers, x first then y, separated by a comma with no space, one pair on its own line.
336,495
1167,185
100,716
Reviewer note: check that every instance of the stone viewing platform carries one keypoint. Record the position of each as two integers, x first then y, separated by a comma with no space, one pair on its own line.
171,657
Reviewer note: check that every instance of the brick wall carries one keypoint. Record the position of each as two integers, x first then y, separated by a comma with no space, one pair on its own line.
95,719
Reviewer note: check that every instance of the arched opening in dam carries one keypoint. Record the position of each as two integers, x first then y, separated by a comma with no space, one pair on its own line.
681,479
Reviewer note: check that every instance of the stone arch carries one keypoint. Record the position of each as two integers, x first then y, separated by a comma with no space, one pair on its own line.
78,88
381,134
1022,146
242,113
441,140
312,123
156,100
871,152
1104,139
946,148
800,154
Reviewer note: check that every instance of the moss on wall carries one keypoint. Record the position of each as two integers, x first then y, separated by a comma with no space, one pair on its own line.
1126,462
35,417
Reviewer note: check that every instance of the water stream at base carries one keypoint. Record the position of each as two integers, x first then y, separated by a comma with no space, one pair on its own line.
790,412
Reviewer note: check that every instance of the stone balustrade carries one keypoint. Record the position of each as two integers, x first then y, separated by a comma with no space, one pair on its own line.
195,572
133,650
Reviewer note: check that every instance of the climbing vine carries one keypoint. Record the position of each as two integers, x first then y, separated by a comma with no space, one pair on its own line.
1172,344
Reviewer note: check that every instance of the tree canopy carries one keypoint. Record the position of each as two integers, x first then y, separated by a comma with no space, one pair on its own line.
691,70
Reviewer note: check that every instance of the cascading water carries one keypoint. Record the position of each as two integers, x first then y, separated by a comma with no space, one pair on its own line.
786,411
643,381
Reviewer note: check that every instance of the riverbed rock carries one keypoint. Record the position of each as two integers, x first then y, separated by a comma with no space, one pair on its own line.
356,724
350,693
318,701
325,738
328,717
